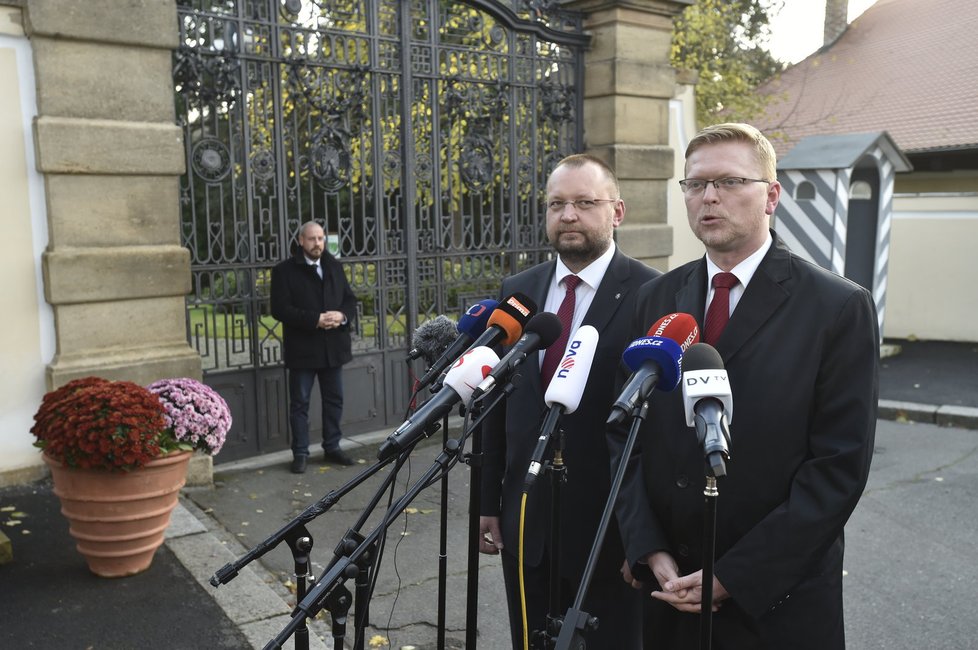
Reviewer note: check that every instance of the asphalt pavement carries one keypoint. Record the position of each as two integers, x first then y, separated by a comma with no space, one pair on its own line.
909,561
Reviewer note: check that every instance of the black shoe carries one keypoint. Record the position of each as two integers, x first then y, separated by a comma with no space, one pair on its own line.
298,465
337,456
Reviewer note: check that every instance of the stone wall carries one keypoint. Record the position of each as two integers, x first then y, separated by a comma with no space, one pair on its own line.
111,155
628,83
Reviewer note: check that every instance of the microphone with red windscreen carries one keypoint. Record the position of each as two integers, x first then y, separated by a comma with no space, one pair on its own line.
655,361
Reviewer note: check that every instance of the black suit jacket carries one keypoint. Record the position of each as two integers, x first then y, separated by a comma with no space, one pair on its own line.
298,298
512,428
802,352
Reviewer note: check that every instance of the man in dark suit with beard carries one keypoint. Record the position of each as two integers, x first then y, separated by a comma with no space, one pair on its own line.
801,349
583,209
314,302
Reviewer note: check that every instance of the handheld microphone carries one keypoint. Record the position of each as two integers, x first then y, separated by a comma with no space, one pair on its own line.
472,323
432,338
655,360
540,332
708,403
461,379
564,393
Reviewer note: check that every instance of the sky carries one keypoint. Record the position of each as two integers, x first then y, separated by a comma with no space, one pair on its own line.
796,31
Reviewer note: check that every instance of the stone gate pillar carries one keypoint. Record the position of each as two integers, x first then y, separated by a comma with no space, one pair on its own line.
628,83
111,155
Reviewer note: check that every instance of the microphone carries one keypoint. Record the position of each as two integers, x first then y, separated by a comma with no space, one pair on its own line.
472,323
432,338
708,403
564,393
466,372
655,359
504,324
540,332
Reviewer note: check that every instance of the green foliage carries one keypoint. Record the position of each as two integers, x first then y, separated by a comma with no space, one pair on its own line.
725,42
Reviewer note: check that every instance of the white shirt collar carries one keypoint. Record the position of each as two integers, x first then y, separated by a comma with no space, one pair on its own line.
591,274
745,270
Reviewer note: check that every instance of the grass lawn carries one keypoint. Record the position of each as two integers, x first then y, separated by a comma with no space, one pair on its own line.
204,321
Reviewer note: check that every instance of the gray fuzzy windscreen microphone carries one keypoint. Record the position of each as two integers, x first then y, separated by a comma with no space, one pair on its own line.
432,338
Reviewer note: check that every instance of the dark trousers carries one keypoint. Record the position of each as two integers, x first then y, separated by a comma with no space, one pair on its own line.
616,605
331,392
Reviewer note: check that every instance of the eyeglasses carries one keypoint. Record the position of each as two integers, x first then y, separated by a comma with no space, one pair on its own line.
581,205
695,186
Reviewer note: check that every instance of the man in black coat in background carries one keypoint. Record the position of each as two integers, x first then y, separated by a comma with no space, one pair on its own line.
315,304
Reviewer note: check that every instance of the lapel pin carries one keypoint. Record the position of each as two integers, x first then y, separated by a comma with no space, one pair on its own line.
618,296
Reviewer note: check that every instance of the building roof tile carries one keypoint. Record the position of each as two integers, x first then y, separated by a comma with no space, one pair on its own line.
907,67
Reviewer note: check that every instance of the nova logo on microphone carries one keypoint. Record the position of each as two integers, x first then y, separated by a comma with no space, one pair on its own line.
569,359
476,310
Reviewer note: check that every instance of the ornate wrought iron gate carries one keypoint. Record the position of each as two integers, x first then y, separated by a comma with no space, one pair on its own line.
419,133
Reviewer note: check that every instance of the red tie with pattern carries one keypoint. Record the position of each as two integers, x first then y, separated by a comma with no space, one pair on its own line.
565,314
719,312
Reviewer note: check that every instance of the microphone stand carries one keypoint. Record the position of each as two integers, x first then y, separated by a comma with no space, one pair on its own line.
474,460
349,565
558,476
300,540
710,494
443,546
714,448
575,620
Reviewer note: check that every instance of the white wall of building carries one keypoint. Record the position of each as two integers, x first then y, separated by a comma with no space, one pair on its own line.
27,343
932,252
682,128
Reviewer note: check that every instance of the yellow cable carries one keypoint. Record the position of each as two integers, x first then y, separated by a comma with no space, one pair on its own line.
526,636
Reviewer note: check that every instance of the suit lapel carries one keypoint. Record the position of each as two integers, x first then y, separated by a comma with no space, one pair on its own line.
762,298
691,297
538,284
534,284
610,294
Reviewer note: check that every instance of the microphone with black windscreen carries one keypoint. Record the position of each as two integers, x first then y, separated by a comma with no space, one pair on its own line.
540,332
432,338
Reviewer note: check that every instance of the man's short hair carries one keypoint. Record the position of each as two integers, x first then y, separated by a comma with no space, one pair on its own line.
739,132
577,160
306,226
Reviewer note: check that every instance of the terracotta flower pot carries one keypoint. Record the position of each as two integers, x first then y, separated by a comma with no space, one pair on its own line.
118,518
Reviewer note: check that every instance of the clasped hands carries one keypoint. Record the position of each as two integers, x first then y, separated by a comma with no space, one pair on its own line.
685,593
330,320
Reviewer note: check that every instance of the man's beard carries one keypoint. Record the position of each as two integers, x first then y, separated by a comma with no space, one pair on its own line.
581,253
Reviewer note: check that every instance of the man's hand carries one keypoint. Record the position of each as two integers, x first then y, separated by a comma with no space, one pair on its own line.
626,573
331,320
685,593
490,535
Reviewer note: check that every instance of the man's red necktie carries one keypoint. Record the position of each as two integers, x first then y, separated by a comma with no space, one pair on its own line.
719,311
565,314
